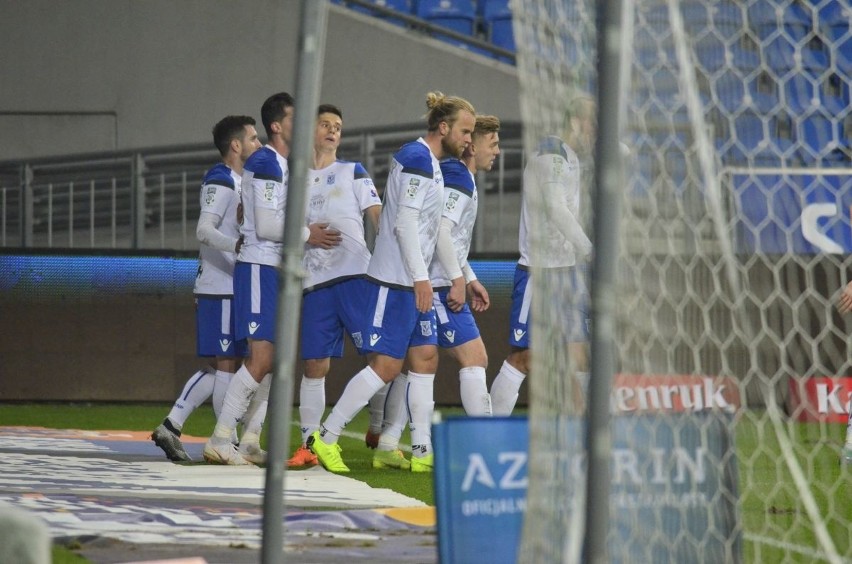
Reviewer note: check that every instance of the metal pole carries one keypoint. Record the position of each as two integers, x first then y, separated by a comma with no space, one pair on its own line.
309,72
607,200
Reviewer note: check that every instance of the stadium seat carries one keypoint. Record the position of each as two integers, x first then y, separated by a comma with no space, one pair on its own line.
496,16
404,6
843,60
711,52
730,91
763,18
695,17
835,94
799,93
780,55
835,18
749,131
457,15
797,20
727,17
819,133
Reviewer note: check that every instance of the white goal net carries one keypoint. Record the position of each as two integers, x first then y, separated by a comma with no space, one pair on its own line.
730,395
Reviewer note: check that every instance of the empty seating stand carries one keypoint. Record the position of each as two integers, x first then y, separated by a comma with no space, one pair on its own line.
497,18
457,15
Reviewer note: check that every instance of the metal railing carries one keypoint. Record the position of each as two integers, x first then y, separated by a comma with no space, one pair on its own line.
148,199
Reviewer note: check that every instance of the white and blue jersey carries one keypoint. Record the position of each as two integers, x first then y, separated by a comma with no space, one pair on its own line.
338,195
414,181
219,196
551,201
460,206
333,300
264,185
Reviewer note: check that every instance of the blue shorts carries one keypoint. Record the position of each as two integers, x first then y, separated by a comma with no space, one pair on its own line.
454,328
570,298
214,328
329,312
255,301
393,323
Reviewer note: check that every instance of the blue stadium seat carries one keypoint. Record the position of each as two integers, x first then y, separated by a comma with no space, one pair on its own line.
695,18
818,132
749,131
727,17
730,91
835,18
457,15
500,33
711,53
799,93
797,20
835,94
489,9
763,18
780,55
497,17
404,6
843,60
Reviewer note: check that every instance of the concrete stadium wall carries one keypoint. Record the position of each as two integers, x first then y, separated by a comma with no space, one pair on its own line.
99,75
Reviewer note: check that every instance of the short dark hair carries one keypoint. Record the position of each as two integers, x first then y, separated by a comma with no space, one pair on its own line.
274,108
229,128
329,109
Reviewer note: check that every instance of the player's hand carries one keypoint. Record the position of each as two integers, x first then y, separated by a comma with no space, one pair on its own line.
844,304
322,236
239,244
371,439
423,296
456,296
479,300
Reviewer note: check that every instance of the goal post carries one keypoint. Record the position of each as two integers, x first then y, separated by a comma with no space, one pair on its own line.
730,359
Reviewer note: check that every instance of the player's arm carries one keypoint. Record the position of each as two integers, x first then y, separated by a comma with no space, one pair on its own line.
212,211
373,214
446,254
405,229
368,197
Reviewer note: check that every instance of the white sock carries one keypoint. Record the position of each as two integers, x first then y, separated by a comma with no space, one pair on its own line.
256,411
396,414
311,405
504,389
377,409
358,392
195,392
421,390
474,391
239,394
223,379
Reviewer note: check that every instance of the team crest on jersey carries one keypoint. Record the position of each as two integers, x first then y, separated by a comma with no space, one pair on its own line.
452,200
413,186
426,328
330,180
269,191
210,196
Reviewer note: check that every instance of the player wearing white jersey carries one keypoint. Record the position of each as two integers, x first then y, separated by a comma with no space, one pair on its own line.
397,291
263,197
553,176
339,194
458,333
218,233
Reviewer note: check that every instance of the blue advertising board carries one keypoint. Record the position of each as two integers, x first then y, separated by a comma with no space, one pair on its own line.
673,488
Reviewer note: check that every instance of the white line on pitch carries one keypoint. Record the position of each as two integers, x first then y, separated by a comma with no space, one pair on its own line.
807,551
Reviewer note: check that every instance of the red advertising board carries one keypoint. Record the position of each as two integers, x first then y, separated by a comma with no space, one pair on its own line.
641,393
820,399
